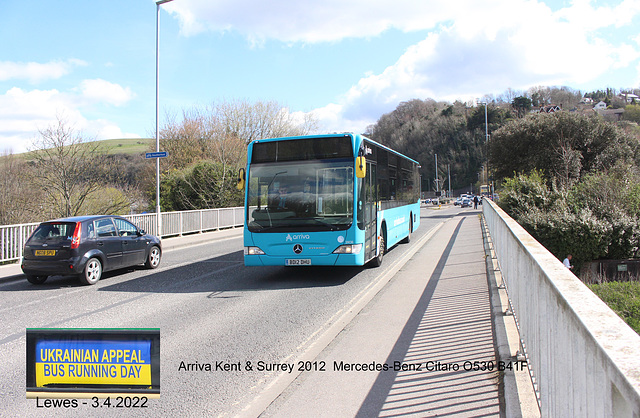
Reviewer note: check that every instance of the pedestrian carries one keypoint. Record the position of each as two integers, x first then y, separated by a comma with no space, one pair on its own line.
475,202
567,262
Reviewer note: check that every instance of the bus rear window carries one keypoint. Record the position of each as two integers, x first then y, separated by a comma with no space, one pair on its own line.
302,149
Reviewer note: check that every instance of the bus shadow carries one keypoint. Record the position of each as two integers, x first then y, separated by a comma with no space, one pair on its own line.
227,273
306,277
444,216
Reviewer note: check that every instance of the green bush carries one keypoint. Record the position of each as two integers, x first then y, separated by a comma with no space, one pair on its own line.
203,185
596,218
623,298
546,214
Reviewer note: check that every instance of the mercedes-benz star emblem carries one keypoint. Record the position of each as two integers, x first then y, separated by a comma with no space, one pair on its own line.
297,248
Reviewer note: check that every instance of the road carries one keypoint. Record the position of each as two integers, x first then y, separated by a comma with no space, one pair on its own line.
210,310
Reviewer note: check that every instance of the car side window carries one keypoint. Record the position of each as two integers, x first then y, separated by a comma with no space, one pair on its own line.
105,228
126,228
91,231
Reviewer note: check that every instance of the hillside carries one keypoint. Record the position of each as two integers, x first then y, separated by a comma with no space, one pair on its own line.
127,146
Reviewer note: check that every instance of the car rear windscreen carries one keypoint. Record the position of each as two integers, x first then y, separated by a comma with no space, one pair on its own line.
54,231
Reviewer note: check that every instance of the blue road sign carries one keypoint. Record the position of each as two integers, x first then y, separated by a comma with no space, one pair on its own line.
160,154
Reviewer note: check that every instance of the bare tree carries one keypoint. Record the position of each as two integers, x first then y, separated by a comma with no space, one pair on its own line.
508,96
16,197
565,97
185,140
220,132
540,96
250,121
68,170
567,164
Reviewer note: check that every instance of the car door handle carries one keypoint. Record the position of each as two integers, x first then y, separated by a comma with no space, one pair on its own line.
99,243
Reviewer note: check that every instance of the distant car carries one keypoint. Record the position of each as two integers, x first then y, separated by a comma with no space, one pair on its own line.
458,202
86,246
466,203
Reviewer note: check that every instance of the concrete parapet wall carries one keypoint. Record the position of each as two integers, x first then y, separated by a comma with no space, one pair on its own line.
585,360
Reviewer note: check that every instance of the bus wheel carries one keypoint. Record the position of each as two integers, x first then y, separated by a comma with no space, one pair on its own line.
407,239
377,262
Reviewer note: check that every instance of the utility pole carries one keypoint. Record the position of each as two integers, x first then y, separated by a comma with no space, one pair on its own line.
449,174
437,180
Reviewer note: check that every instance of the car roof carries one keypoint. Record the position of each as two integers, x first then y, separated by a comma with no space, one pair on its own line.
81,218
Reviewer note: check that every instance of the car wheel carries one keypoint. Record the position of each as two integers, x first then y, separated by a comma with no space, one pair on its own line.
36,279
377,262
153,259
92,272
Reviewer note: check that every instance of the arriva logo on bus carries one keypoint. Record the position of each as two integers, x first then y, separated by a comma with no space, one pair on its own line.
299,236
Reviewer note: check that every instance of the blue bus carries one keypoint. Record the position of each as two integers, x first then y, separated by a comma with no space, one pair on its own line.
330,200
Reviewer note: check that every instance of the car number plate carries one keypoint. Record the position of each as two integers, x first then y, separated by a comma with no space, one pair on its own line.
45,253
298,262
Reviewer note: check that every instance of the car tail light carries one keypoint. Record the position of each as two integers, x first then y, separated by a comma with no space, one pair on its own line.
75,240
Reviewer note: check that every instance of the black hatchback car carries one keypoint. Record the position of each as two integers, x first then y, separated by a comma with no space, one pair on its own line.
86,246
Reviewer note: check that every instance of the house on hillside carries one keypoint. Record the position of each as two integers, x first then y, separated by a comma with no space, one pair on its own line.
611,115
600,106
550,109
630,97
586,101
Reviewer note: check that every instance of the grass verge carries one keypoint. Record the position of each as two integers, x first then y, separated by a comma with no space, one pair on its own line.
623,298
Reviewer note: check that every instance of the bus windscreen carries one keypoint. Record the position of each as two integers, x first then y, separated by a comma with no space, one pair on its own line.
301,196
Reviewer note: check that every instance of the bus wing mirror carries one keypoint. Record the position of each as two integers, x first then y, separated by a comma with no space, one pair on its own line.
241,179
361,167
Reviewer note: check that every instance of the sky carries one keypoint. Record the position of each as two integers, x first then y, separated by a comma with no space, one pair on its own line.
348,62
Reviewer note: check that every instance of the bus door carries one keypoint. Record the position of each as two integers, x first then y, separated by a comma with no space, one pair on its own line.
370,212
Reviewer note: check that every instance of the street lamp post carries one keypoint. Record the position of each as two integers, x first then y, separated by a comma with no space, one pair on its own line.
158,217
437,180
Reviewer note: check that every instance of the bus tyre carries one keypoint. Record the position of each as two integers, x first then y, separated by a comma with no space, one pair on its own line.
407,239
92,272
36,279
377,262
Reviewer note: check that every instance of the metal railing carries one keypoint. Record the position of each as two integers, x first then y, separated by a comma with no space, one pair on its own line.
583,358
13,237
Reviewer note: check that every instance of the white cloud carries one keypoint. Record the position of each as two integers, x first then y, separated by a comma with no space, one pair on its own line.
104,91
487,50
35,72
312,21
24,112
582,14
105,129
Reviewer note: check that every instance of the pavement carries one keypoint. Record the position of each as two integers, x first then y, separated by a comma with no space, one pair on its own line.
430,327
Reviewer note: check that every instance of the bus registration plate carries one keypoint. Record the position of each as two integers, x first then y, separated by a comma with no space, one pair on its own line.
298,262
